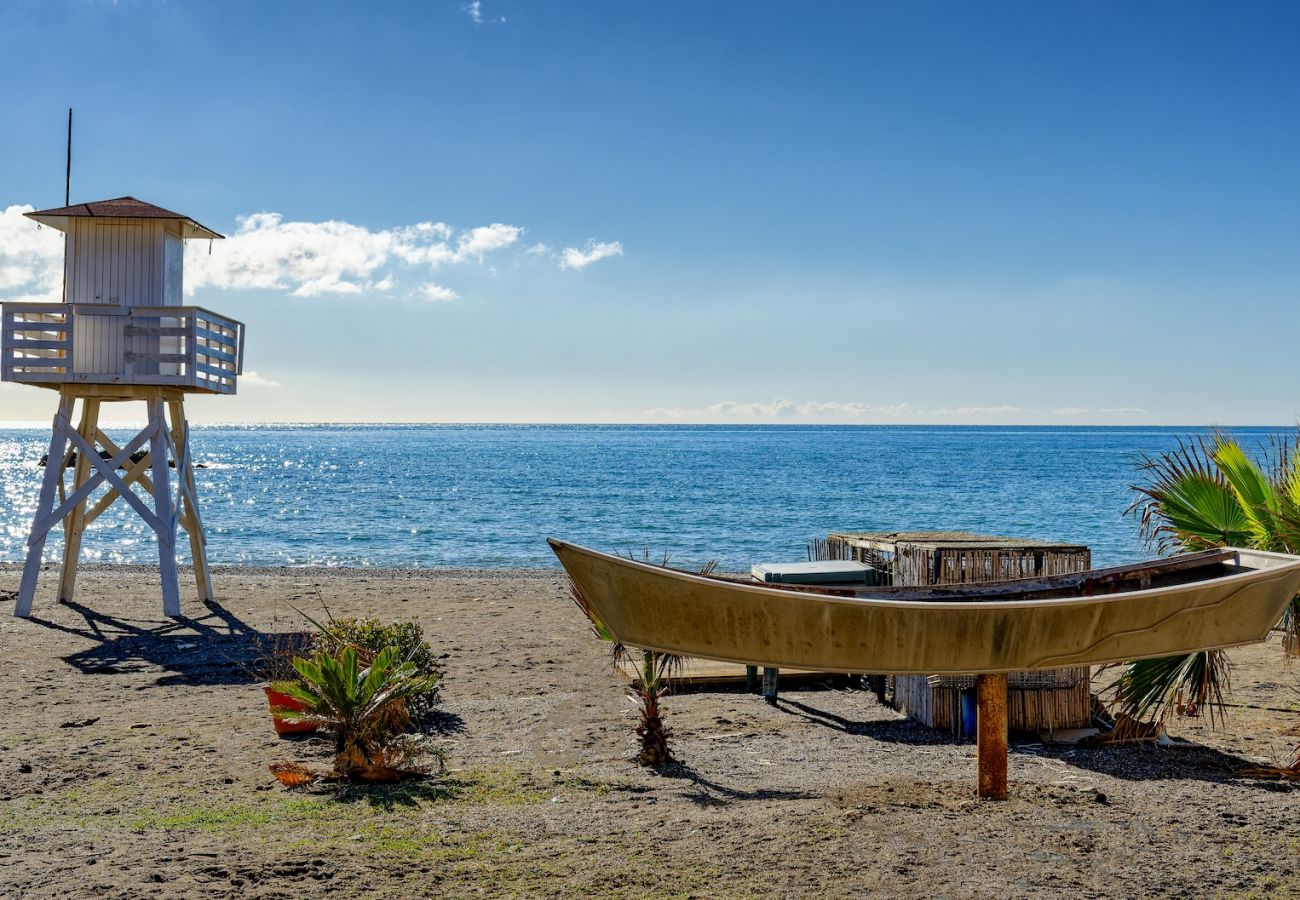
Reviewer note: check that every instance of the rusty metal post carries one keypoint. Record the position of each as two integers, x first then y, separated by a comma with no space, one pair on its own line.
992,727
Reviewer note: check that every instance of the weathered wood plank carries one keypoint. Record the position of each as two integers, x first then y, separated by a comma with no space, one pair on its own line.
992,726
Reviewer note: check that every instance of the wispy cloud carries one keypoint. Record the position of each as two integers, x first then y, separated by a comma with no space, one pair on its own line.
969,412
574,258
855,409
1100,411
252,379
773,409
781,408
31,258
438,293
859,411
474,10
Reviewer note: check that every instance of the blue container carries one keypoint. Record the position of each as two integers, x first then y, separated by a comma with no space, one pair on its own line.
968,715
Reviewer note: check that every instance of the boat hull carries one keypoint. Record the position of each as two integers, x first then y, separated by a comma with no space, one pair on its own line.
676,612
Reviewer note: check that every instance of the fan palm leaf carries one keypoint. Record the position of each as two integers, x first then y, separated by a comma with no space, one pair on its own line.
1149,688
1185,503
1254,493
1209,492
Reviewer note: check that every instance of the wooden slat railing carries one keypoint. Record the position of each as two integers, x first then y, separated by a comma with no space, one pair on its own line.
182,346
35,342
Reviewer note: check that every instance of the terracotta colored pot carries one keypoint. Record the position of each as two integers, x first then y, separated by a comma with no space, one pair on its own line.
284,701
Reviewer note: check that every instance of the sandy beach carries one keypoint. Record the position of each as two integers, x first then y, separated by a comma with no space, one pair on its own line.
135,753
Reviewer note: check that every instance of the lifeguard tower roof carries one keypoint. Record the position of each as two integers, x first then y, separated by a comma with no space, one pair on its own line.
121,208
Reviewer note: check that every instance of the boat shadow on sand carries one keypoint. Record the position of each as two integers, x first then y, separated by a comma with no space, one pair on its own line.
706,792
1130,762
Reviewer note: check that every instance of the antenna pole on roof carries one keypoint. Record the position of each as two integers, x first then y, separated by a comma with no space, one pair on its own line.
67,201
67,175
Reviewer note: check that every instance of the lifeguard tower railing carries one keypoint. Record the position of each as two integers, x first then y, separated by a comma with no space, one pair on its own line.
189,347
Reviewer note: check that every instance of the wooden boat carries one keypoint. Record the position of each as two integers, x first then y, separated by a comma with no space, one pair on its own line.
1196,601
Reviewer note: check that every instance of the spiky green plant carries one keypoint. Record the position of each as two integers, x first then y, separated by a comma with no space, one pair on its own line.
369,636
655,673
354,703
1209,492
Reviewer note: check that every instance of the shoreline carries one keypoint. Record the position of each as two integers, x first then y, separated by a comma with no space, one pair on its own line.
315,571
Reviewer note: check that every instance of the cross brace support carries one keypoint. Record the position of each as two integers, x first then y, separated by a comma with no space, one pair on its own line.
172,505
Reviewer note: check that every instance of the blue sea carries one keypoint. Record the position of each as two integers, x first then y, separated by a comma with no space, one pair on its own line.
470,495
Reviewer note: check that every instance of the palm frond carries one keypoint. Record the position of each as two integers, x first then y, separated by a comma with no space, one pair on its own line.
1283,456
1252,489
1185,503
576,595
1149,688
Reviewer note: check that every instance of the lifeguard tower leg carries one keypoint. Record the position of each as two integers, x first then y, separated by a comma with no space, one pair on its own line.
190,517
162,504
75,523
44,506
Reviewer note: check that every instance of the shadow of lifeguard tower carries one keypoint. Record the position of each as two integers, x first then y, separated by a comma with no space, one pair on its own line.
121,334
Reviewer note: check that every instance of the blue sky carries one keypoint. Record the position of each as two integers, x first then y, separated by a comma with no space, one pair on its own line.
831,212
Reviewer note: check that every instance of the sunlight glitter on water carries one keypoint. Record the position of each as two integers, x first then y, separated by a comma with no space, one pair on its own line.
490,495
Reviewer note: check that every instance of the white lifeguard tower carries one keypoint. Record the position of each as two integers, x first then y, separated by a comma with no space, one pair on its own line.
121,334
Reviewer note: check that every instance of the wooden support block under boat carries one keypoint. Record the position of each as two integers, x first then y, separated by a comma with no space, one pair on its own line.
706,672
991,724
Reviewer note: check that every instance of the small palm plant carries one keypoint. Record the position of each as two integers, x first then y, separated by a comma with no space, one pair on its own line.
356,704
1208,492
655,673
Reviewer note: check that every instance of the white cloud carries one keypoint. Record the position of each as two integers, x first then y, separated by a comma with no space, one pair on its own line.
774,409
309,259
303,259
438,293
855,409
1100,411
727,409
31,258
485,239
665,412
573,258
965,412
252,379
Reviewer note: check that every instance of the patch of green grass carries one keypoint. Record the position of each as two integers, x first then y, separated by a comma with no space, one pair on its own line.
505,787
275,810
381,814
